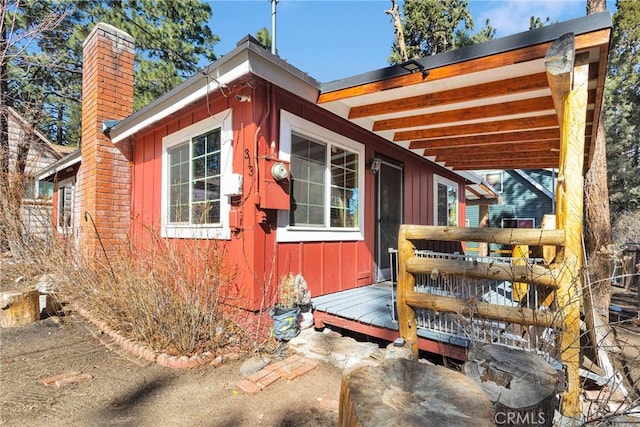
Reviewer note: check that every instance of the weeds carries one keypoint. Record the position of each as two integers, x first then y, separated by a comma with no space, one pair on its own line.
166,294
170,298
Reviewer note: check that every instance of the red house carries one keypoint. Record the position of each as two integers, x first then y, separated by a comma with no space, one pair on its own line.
293,175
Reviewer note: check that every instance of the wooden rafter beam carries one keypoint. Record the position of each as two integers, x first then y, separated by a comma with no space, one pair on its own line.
525,123
596,38
522,106
485,90
505,164
498,157
509,147
488,140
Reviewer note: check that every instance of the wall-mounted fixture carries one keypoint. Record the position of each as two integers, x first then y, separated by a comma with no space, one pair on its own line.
374,165
414,66
279,171
243,98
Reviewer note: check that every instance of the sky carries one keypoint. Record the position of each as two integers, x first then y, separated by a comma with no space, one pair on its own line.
330,40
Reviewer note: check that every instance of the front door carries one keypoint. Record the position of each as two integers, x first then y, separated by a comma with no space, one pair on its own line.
389,202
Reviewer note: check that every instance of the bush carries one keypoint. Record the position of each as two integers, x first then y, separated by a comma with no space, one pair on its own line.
168,295
170,298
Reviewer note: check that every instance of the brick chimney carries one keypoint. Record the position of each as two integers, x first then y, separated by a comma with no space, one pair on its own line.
104,180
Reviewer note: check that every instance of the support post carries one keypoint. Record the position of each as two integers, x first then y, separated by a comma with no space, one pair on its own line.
569,213
406,283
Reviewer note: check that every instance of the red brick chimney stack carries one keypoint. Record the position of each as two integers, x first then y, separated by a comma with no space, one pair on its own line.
105,176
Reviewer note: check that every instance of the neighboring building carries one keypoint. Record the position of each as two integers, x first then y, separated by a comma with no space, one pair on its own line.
29,152
65,202
525,197
289,174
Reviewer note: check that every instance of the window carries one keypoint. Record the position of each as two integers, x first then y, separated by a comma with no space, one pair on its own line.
494,178
327,170
38,189
45,189
446,201
65,206
196,161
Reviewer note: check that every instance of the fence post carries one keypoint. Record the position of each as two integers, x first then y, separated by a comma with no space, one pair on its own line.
406,283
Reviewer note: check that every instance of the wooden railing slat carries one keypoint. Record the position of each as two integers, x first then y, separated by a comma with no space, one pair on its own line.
535,274
505,236
484,310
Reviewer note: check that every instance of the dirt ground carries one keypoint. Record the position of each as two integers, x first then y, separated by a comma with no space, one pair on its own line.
124,390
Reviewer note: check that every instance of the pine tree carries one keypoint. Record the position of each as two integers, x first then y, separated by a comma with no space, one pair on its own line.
435,26
622,111
45,81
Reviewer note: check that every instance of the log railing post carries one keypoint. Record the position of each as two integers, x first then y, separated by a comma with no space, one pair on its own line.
406,282
569,213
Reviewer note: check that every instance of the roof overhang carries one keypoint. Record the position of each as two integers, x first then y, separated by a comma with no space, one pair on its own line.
487,106
70,160
249,57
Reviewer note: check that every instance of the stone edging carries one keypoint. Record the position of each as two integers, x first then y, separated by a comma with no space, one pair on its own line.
162,359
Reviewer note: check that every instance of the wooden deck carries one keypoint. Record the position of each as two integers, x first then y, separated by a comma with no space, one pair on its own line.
369,310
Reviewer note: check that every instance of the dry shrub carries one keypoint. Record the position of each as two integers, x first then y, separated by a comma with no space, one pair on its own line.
168,295
25,231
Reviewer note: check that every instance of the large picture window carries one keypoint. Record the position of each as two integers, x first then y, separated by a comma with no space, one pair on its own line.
195,162
311,163
326,183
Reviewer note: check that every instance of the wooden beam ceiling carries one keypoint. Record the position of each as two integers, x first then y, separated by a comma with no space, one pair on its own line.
488,112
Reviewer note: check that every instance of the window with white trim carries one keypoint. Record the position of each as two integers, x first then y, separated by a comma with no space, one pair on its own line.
326,172
445,201
495,178
65,206
196,161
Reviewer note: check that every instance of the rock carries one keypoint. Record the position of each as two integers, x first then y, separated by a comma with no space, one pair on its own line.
394,352
253,365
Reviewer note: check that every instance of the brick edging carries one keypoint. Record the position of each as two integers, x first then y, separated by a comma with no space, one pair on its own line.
162,359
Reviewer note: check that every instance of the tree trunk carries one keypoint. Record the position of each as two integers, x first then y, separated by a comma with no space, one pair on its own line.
597,232
4,112
406,393
19,308
399,30
521,385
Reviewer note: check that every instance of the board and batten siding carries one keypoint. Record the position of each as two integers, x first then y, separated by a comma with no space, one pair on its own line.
259,259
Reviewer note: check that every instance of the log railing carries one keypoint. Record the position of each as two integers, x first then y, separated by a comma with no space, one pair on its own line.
550,277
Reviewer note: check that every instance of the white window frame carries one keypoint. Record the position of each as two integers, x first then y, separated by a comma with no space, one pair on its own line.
222,231
66,183
495,172
290,123
437,179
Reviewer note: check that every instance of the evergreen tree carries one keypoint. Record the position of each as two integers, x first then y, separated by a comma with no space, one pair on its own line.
436,26
622,110
462,38
536,22
264,36
171,39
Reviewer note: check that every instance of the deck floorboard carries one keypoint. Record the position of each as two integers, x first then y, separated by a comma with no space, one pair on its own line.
373,305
